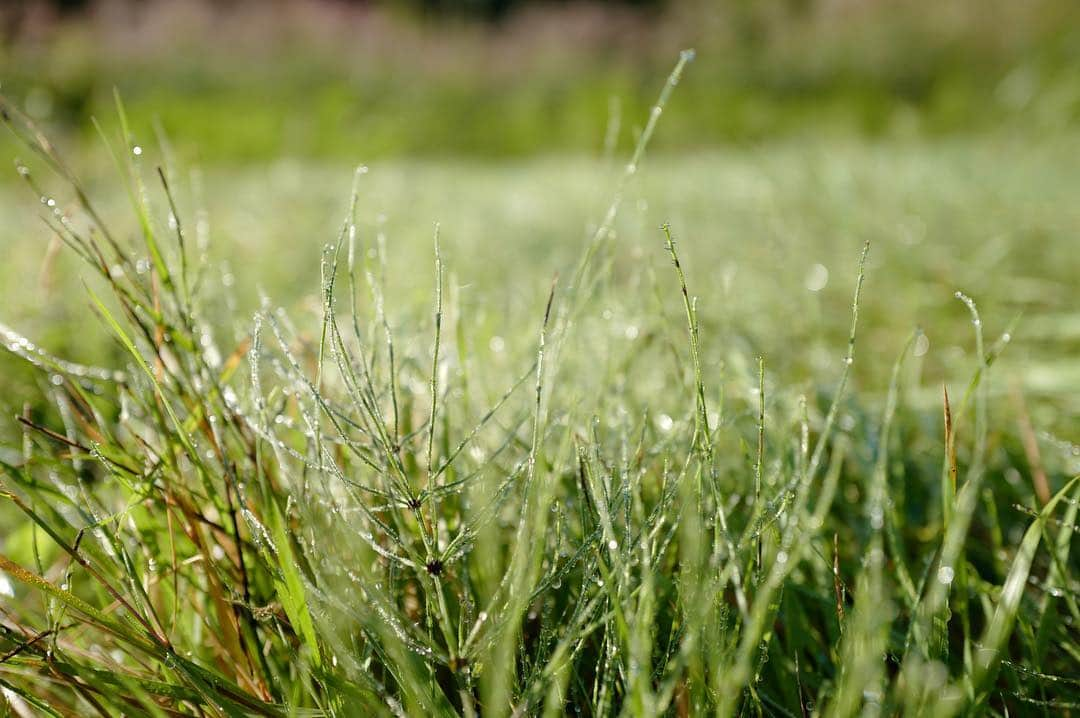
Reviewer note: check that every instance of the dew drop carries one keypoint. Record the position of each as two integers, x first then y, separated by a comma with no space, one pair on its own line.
817,277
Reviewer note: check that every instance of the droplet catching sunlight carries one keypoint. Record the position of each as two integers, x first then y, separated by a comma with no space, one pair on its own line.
817,278
945,575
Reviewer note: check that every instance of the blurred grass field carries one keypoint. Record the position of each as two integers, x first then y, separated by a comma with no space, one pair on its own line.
247,81
773,230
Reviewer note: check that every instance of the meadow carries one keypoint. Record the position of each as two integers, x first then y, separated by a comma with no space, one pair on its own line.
778,428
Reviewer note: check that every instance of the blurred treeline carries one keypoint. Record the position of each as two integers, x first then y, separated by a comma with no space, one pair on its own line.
236,80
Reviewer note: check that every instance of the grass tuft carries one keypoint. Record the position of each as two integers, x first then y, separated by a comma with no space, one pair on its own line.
371,520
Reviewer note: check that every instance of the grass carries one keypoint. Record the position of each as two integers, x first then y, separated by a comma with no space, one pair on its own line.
458,483
378,84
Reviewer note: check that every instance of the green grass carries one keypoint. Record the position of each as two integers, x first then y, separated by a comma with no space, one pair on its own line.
522,464
330,82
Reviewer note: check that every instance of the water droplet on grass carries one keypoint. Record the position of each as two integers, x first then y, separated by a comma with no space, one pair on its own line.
946,575
817,277
6,588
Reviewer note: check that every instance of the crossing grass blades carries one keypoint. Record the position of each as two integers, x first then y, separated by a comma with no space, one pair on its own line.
305,520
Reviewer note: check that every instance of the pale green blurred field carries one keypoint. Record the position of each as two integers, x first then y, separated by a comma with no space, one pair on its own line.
994,216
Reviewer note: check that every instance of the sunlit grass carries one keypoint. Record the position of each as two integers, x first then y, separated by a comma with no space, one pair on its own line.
482,481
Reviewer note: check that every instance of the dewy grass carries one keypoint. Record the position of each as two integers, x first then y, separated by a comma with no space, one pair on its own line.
354,518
